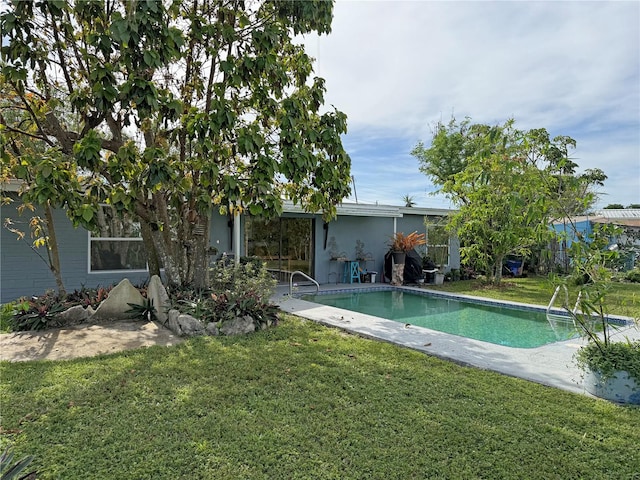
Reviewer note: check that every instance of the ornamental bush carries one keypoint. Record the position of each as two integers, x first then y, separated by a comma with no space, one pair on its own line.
236,291
41,312
633,275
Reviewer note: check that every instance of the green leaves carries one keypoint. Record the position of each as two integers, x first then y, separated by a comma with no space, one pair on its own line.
87,151
86,212
167,103
151,59
119,29
159,171
504,198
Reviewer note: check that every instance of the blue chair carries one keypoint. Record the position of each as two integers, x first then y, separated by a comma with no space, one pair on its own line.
351,272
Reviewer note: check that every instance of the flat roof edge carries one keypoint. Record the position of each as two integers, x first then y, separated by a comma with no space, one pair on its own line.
372,210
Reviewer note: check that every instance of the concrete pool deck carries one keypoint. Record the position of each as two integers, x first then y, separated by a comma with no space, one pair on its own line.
550,365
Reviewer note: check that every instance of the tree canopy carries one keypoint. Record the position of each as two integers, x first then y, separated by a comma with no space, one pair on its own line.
508,185
163,108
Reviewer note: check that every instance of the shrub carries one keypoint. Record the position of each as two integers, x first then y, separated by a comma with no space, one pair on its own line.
146,312
633,275
248,277
236,291
88,297
607,360
41,312
6,316
195,302
228,308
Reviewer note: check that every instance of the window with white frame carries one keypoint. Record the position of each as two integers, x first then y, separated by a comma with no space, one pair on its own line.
438,244
116,243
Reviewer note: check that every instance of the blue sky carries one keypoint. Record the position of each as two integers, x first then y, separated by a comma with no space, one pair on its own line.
395,68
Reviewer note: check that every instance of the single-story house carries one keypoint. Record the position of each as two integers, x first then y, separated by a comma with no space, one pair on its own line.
628,219
294,241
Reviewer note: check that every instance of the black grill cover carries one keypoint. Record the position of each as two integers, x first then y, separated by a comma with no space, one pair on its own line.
412,267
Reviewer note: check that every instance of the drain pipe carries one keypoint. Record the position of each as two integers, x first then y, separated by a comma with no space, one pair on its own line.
236,236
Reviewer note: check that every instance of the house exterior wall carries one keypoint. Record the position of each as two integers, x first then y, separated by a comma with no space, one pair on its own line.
220,234
583,227
375,233
24,273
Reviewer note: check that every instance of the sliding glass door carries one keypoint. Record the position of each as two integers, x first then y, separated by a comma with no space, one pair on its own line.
285,244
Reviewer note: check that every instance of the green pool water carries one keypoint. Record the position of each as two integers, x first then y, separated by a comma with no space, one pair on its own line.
507,326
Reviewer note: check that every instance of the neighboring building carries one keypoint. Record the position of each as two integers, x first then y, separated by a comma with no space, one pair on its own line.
295,241
628,219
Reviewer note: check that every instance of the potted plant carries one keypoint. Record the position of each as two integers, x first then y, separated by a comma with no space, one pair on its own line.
361,255
612,372
334,253
612,368
400,244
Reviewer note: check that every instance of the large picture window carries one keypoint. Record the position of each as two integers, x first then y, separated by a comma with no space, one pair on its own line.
438,244
116,243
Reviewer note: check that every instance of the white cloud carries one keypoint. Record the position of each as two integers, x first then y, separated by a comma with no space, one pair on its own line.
572,67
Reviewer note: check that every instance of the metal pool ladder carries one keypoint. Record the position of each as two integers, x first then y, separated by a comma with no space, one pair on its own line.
555,318
302,274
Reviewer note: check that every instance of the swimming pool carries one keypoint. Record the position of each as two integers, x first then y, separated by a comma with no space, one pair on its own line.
502,324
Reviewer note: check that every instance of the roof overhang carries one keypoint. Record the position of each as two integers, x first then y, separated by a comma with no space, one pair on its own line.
629,217
626,222
372,210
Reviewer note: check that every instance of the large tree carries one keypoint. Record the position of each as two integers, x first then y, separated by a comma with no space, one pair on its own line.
508,185
167,107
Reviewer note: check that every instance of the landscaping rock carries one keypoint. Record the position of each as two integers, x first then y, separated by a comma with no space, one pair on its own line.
172,321
212,329
115,306
185,325
190,326
160,298
238,326
75,315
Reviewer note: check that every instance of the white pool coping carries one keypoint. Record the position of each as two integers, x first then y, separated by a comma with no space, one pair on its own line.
551,365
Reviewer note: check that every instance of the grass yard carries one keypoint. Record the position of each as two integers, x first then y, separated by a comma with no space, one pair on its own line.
623,298
302,401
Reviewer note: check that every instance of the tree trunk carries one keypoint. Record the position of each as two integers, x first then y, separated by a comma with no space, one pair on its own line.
172,268
199,260
152,254
497,270
52,247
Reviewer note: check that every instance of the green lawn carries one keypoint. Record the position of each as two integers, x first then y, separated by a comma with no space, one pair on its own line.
622,299
302,401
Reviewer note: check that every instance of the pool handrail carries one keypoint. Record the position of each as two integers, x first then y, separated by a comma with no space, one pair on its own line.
298,272
556,316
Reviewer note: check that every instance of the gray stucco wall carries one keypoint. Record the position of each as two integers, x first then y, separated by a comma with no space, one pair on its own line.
375,232
23,273
220,234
